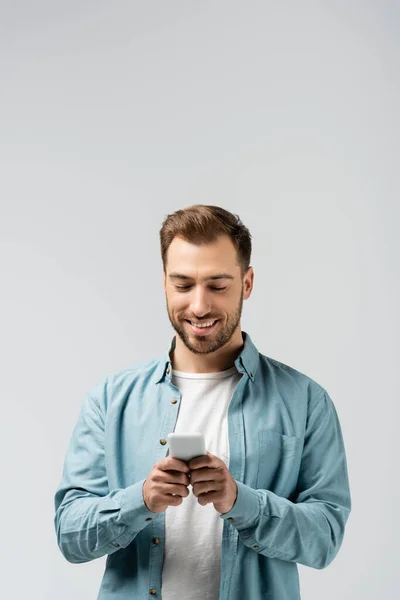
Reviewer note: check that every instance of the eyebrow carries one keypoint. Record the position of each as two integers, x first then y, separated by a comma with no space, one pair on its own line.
210,278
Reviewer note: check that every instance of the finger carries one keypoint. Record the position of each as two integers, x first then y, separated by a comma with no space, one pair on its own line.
176,490
170,476
208,498
169,463
175,477
205,474
205,487
207,460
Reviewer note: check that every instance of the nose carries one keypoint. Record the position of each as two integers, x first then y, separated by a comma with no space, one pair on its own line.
200,304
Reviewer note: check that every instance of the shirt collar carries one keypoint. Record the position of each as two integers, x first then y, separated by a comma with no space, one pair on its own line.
246,362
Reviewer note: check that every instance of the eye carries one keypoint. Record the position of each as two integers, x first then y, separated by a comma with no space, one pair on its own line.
184,288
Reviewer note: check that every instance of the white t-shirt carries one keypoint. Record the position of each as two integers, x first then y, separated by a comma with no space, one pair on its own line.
193,533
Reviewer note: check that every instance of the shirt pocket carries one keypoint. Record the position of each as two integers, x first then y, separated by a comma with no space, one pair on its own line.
279,457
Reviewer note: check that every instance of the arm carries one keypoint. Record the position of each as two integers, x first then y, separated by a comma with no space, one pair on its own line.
311,529
90,520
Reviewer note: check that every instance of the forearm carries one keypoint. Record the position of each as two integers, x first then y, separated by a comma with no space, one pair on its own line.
309,533
89,527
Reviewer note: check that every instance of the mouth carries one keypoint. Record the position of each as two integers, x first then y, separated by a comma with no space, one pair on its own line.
207,328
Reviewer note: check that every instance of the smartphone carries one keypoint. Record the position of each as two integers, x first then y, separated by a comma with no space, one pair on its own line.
186,446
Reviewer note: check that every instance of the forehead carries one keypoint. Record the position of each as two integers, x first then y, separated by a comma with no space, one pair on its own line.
201,260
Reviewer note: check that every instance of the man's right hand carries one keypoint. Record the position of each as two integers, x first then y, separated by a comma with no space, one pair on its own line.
168,476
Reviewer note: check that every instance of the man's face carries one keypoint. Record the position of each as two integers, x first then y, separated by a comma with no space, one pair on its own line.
195,295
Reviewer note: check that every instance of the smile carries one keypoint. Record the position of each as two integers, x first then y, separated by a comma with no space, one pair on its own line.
203,329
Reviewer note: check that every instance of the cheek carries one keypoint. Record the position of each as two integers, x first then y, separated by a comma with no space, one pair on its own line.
177,304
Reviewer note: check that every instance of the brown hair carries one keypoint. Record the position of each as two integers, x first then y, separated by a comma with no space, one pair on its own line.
203,223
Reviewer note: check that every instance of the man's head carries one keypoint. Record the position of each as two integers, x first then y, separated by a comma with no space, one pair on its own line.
206,254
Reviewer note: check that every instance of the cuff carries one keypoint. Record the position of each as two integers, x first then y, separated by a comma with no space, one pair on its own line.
246,510
134,512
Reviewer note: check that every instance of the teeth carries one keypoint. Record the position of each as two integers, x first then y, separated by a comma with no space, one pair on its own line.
204,324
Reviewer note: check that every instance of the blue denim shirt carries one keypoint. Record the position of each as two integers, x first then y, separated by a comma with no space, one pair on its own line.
286,454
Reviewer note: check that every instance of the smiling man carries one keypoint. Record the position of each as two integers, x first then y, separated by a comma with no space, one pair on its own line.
205,287
272,490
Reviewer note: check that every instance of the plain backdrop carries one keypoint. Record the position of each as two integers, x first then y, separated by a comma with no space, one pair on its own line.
115,114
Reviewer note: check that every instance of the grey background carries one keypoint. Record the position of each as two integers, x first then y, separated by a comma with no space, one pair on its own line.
115,114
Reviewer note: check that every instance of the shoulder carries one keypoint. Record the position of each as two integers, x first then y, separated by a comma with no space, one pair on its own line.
289,380
123,382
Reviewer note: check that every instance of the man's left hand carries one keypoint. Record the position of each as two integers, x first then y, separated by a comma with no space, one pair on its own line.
212,482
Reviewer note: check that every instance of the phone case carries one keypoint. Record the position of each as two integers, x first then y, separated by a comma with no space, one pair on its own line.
186,446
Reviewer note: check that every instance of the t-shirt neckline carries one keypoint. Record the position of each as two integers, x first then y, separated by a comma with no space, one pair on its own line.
218,375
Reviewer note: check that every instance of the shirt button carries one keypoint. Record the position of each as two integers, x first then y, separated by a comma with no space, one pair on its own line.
149,519
163,442
153,592
174,400
251,374
156,540
230,519
116,545
168,370
256,547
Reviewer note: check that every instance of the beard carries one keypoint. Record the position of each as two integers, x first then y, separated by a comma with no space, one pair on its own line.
210,343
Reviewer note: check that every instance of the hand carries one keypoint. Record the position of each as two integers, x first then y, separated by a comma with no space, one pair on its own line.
168,476
212,482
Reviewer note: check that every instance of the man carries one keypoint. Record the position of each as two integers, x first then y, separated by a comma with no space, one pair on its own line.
273,488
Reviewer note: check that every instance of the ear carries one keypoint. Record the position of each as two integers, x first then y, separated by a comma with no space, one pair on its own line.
248,283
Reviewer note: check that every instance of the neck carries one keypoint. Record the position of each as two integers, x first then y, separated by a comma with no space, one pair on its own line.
184,360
